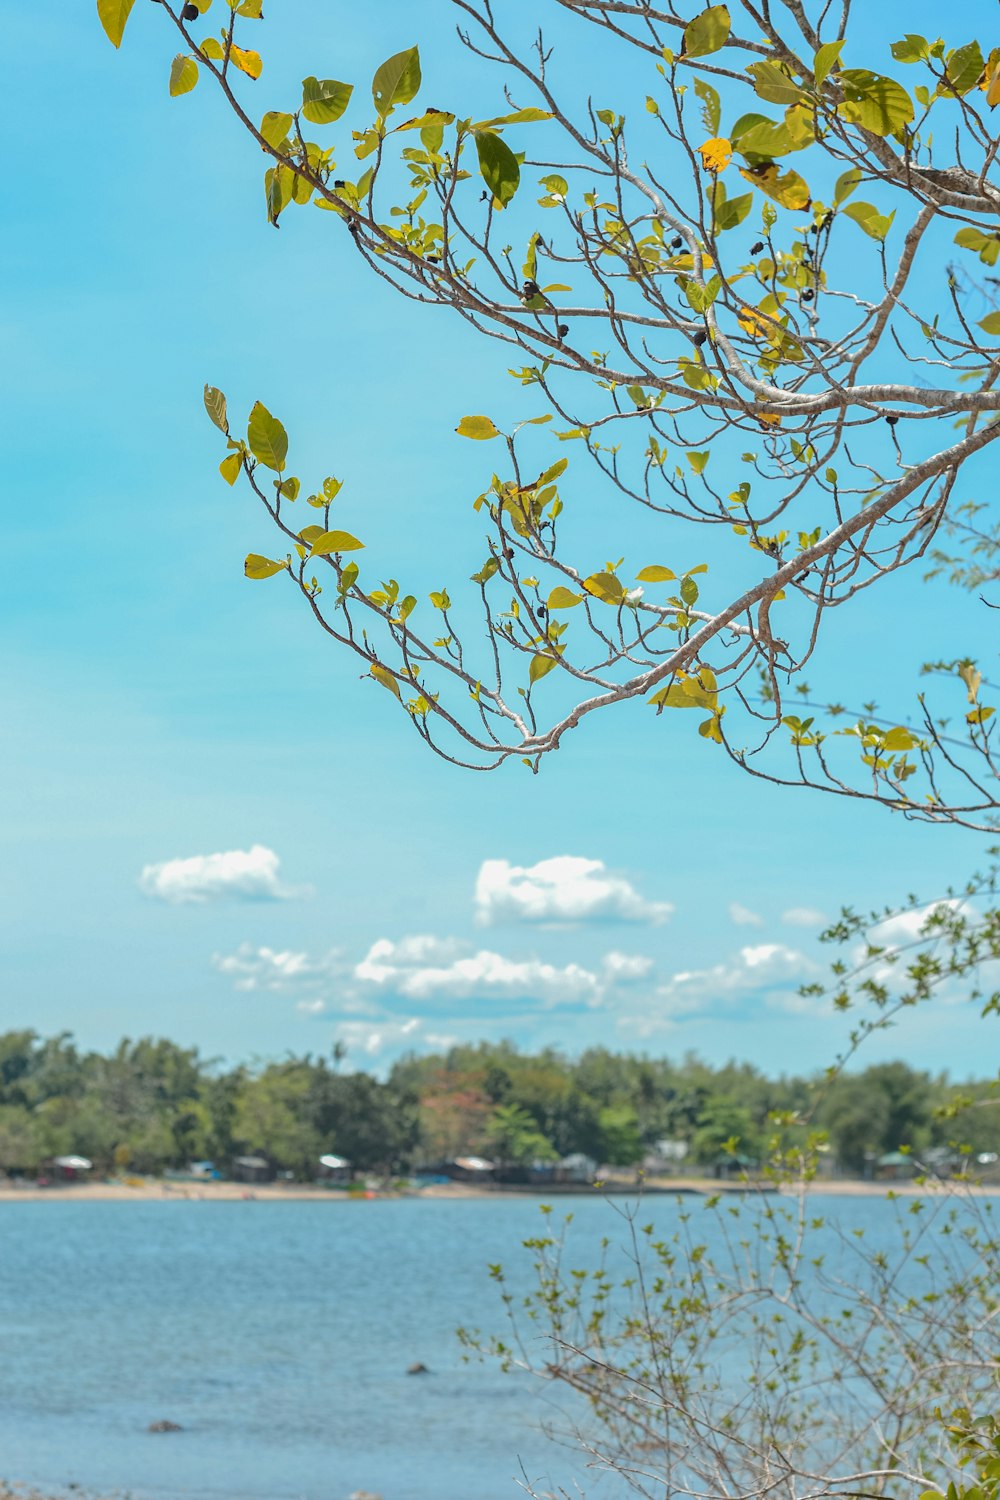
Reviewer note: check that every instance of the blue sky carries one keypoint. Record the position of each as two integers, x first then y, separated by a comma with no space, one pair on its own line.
157,708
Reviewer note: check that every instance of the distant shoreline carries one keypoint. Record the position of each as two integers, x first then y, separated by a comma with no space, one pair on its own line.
163,1191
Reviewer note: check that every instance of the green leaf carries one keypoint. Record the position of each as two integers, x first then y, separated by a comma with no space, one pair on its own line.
731,212
230,467
541,666
527,116
324,100
655,573
183,74
991,323
874,102
689,590
706,33
215,405
480,428
289,489
261,567
911,49
396,81
868,218
698,461
963,69
267,438
563,598
898,739
275,126
845,185
212,47
112,15
711,114
773,84
986,245
335,541
498,165
384,676
825,60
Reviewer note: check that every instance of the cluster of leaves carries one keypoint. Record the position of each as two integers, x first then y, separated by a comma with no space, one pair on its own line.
707,343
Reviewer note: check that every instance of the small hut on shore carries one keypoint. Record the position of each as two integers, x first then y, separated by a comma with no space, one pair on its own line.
334,1169
70,1168
252,1169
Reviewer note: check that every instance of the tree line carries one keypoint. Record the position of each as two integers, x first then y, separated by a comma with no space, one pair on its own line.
151,1105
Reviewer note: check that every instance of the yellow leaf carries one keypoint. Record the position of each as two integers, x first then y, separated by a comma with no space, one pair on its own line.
750,320
479,428
230,467
384,676
716,154
541,665
768,418
248,62
990,81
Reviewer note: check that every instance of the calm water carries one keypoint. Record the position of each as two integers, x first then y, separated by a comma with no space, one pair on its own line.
278,1335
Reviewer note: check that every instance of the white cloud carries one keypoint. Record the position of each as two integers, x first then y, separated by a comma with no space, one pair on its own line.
767,972
253,968
371,1039
625,968
561,890
803,916
237,875
743,916
426,969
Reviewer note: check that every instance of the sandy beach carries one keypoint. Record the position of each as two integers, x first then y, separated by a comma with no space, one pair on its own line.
155,1189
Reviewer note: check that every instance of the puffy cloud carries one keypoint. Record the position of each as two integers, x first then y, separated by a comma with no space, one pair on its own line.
768,972
237,875
561,890
427,969
803,916
743,916
373,1038
625,968
253,968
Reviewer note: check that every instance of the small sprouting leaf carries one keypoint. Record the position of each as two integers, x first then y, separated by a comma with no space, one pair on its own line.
261,567
113,15
230,467
324,99
655,574
267,438
396,81
215,405
498,165
247,61
275,126
335,541
706,33
183,75
384,676
480,428
563,598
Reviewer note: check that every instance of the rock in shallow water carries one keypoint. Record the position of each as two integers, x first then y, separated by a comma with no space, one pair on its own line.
164,1426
